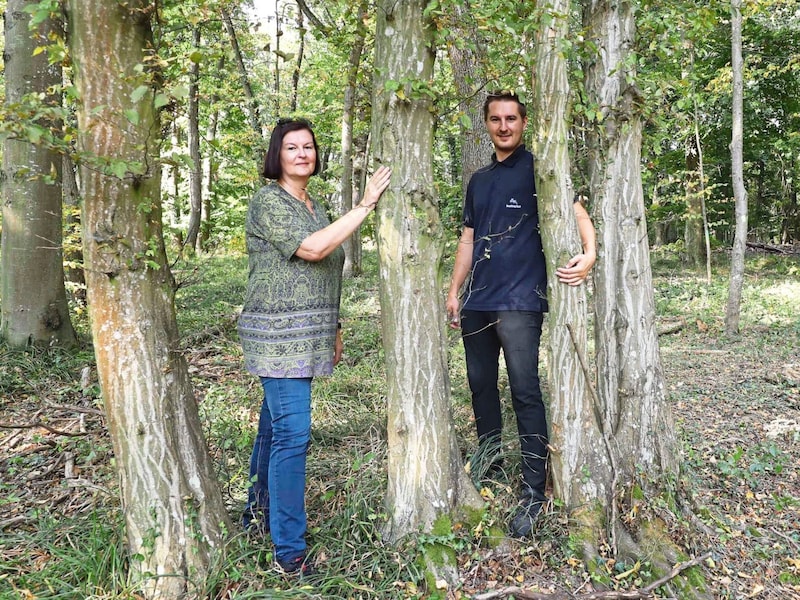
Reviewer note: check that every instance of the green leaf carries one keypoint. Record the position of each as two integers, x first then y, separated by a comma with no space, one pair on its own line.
139,93
161,100
132,116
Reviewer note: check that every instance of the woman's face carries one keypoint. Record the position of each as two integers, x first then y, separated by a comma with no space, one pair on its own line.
298,157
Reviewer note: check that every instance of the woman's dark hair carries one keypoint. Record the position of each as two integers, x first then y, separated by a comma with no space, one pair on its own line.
272,161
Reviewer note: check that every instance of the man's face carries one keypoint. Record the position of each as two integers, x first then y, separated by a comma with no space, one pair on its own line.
505,126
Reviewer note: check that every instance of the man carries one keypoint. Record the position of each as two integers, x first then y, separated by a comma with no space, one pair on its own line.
500,259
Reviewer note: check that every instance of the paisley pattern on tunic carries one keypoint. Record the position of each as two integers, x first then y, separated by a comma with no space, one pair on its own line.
288,324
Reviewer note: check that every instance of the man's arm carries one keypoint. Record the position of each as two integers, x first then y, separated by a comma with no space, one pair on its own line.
461,269
577,269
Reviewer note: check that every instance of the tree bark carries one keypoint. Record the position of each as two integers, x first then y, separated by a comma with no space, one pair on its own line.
427,479
630,375
174,512
466,48
196,172
352,255
34,300
694,218
577,446
301,33
244,78
637,423
733,308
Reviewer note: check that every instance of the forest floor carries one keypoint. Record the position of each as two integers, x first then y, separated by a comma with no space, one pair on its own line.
735,402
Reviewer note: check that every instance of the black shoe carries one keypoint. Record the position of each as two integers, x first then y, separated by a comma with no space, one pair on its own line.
300,566
522,522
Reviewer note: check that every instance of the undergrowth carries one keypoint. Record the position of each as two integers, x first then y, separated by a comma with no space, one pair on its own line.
49,552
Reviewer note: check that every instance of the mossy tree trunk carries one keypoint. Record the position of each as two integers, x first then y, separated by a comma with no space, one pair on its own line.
426,475
581,465
174,512
34,300
637,421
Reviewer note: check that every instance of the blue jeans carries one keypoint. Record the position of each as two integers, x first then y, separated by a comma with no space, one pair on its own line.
517,333
278,465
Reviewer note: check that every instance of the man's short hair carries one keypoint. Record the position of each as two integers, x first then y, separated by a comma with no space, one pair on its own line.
504,95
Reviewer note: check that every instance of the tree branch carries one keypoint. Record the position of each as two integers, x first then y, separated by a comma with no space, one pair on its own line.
646,593
315,21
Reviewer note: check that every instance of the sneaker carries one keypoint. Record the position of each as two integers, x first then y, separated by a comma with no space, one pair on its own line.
300,566
522,522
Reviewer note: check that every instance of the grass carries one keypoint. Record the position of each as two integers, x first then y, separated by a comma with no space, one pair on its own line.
63,540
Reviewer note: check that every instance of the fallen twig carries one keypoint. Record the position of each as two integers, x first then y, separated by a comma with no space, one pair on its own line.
646,593
36,424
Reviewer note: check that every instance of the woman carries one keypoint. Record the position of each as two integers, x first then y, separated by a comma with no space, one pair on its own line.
289,327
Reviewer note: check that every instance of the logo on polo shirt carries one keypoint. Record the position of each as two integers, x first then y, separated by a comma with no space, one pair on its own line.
512,203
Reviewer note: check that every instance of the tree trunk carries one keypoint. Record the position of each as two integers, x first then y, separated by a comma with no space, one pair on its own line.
352,257
173,507
630,375
733,308
468,60
244,78
196,172
73,254
301,33
211,167
427,479
575,436
637,422
693,230
34,300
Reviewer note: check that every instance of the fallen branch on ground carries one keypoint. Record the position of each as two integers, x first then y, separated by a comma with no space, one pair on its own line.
646,593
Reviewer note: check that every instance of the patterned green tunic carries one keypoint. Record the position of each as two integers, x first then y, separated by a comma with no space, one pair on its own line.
288,324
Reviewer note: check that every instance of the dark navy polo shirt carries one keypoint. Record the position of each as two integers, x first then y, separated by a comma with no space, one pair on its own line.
508,265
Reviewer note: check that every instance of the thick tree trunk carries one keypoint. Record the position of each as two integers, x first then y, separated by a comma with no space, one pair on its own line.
577,446
174,512
34,300
637,421
630,376
467,51
196,172
426,474
733,308
352,254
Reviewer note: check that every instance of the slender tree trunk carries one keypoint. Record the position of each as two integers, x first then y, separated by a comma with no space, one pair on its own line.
173,507
427,479
352,261
576,442
196,172
73,254
733,308
34,301
301,32
244,78
693,218
211,167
